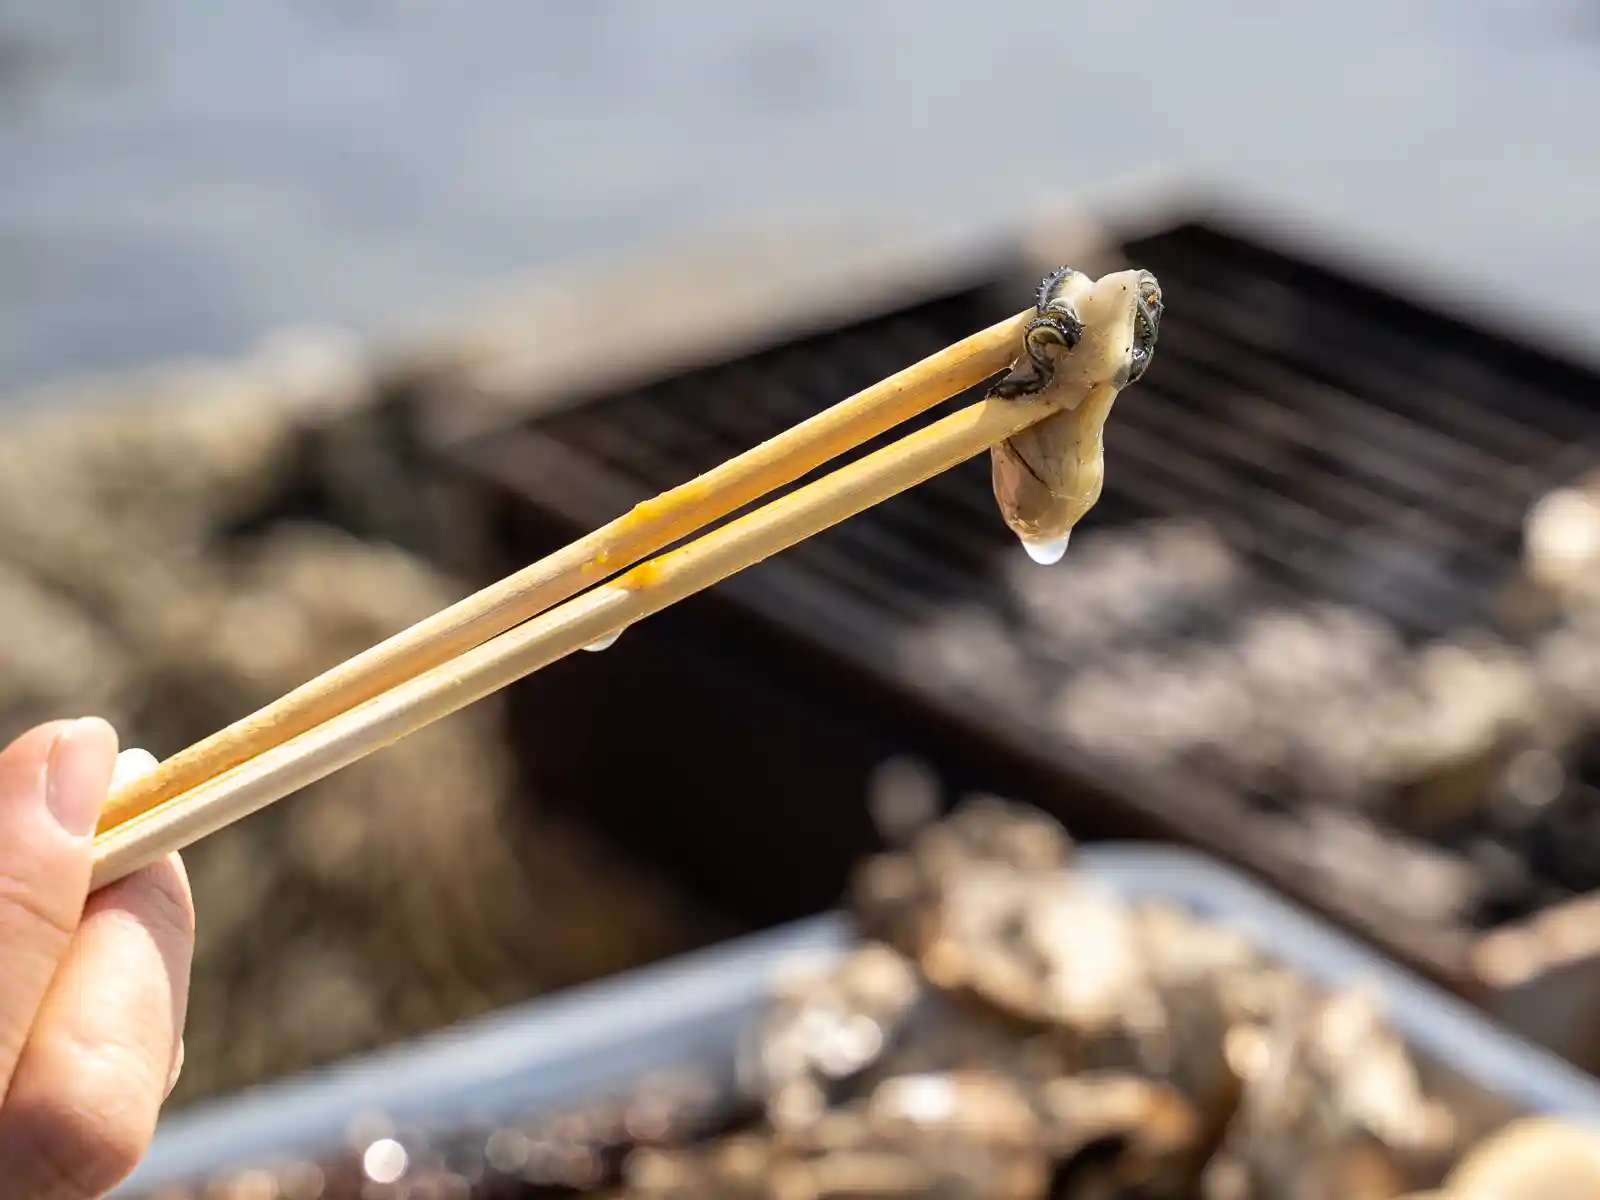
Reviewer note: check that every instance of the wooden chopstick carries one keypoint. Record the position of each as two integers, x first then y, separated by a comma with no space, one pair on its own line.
442,689
1109,329
636,535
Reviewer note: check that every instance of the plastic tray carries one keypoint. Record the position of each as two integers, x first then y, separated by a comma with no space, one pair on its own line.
592,1039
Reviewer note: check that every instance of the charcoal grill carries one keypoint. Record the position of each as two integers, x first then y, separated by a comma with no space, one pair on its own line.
1351,445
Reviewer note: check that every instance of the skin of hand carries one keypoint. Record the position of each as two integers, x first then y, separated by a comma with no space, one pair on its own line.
93,989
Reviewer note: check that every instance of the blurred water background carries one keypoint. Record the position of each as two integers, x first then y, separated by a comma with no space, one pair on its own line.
177,178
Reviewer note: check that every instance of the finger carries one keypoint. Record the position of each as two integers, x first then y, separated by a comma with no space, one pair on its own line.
131,764
53,781
101,1058
177,1068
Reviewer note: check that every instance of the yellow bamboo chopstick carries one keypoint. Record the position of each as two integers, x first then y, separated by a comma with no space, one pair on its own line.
1116,321
647,588
646,529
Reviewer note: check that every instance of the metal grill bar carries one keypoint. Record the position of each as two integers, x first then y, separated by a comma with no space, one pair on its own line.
1350,448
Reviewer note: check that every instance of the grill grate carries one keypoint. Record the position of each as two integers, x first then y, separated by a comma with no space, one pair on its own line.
1349,461
1350,448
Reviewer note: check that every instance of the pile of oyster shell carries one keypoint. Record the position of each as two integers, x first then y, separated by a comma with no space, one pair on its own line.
1456,763
1171,653
180,547
1007,1028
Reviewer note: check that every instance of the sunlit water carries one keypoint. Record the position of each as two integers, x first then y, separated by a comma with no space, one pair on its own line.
179,177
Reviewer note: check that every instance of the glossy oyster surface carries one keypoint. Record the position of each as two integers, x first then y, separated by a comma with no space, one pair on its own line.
1088,340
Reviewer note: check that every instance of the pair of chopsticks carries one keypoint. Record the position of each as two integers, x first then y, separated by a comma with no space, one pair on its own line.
553,607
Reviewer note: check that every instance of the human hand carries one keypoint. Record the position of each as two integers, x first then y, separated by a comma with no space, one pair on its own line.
93,989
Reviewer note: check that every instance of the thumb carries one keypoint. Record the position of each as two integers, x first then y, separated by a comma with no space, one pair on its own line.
53,782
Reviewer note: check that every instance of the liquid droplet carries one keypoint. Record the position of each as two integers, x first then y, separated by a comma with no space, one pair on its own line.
605,642
1046,551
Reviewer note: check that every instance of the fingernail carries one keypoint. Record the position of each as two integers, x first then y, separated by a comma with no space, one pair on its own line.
76,775
131,764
